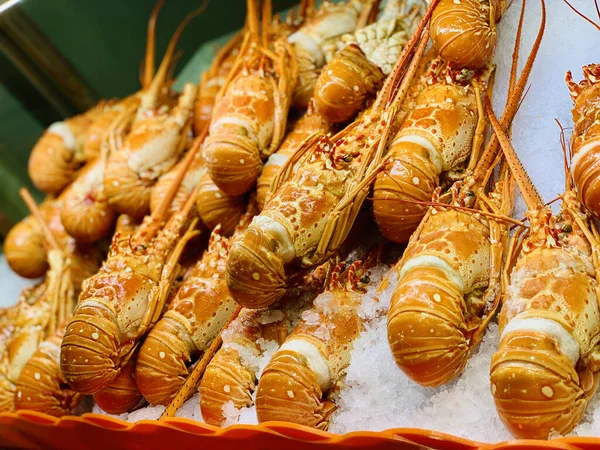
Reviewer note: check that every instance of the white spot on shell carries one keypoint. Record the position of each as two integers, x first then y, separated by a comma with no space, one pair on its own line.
162,355
415,181
95,335
437,297
242,161
290,394
37,376
256,276
227,388
547,391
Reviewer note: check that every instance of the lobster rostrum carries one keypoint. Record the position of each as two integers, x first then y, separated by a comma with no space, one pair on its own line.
315,206
358,70
249,119
126,297
546,368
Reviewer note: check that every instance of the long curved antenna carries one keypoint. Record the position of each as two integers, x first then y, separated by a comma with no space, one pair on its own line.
586,18
532,197
148,67
160,77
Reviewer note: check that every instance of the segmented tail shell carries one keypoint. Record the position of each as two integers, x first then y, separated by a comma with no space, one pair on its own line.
535,386
462,34
86,215
89,350
41,386
289,391
586,136
216,207
436,136
226,379
24,249
99,127
162,363
122,395
426,327
255,270
345,84
240,134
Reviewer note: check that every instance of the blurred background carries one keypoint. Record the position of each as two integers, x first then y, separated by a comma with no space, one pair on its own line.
59,57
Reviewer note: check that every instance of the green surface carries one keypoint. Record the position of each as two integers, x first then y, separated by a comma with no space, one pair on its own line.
105,42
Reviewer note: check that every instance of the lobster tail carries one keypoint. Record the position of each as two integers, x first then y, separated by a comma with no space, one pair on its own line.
462,33
88,354
126,192
289,390
122,394
162,362
226,379
24,249
586,137
41,386
412,177
536,387
216,207
255,270
86,215
426,327
345,84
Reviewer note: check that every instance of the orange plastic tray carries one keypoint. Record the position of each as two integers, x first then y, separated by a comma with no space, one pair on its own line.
32,430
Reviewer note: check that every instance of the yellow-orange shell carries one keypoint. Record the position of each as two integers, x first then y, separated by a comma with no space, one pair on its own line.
162,363
24,249
216,207
585,165
535,386
462,34
345,84
226,379
192,177
255,270
435,137
88,350
85,214
41,386
289,391
122,394
55,158
96,132
240,133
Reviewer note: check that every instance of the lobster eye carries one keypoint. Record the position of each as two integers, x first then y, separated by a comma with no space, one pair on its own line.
365,279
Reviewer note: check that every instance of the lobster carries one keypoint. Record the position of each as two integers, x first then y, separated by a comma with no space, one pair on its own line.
196,314
251,110
546,368
315,43
315,207
358,70
313,358
126,297
157,139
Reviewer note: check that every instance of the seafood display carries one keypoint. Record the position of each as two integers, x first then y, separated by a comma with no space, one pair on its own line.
336,171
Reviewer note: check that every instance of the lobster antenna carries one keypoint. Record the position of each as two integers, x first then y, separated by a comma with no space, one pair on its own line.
252,18
513,101
387,90
563,144
35,210
159,79
586,18
148,67
192,380
532,197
